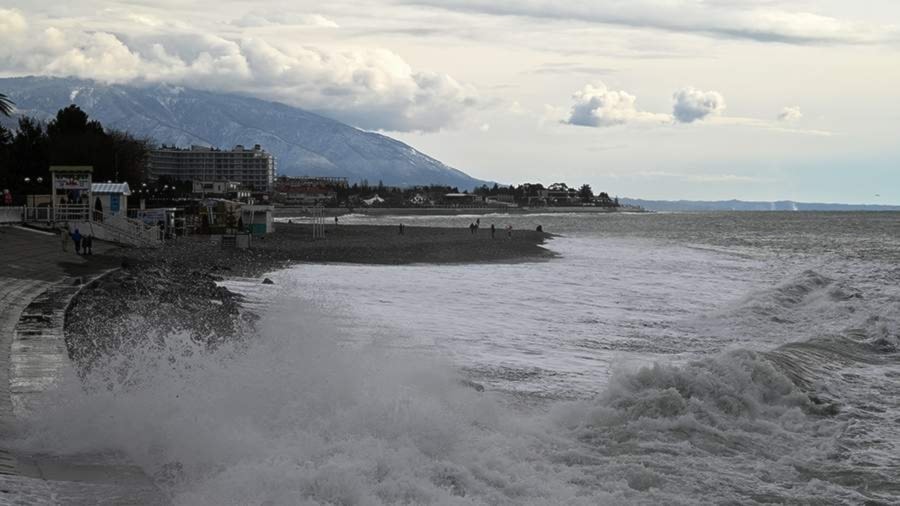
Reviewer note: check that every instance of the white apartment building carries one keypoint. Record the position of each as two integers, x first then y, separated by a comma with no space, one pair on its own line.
253,168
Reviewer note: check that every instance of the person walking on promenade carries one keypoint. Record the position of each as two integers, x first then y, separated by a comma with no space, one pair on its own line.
492,230
76,238
87,243
64,235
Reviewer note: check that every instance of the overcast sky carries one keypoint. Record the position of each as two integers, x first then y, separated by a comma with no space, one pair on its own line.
692,99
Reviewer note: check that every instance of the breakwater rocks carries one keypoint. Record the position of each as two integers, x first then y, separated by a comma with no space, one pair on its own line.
146,301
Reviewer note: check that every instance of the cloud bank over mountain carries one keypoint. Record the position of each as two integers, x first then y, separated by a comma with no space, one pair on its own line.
369,88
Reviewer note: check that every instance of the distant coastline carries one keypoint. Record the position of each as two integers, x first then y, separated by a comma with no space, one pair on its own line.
284,212
744,205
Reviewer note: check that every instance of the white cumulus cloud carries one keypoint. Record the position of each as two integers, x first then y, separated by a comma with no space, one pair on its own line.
598,106
791,113
369,88
692,104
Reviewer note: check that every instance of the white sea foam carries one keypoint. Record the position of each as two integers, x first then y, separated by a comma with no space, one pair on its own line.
630,371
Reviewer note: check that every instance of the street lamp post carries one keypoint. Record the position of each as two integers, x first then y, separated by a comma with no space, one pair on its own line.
28,184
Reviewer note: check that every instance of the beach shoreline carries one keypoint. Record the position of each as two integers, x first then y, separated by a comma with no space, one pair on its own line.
297,211
176,288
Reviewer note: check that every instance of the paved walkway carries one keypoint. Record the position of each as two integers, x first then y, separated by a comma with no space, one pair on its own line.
37,282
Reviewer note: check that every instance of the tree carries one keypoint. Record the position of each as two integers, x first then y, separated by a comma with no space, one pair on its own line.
6,169
6,105
29,151
585,193
73,121
129,156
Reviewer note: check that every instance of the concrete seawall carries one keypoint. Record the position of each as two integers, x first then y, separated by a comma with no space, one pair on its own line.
37,284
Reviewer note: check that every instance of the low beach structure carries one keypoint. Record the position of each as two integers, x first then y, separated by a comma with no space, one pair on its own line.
258,220
110,199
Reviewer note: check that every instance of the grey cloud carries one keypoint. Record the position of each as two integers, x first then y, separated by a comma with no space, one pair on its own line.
571,68
790,114
740,20
692,104
254,18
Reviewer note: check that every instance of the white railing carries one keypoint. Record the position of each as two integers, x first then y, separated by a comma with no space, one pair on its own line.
115,228
127,230
58,214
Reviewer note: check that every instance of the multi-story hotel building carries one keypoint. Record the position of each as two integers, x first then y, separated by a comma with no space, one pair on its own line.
253,168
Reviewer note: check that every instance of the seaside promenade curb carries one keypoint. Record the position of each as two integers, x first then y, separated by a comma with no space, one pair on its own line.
37,286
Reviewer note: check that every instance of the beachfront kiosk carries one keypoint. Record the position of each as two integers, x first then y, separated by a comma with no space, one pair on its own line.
71,192
109,199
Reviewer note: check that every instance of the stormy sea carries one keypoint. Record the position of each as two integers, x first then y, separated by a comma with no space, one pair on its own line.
717,358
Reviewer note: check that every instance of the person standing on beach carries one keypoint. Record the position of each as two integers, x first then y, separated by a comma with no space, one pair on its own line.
76,238
492,230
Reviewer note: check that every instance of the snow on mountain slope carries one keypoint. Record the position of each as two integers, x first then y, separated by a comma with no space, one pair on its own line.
302,142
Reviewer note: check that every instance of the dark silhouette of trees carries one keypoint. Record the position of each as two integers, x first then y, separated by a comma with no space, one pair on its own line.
71,138
585,193
28,155
6,139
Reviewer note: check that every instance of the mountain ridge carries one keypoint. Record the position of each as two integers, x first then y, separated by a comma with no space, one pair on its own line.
304,143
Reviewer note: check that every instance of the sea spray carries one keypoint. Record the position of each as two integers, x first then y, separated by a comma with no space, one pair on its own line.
352,406
296,416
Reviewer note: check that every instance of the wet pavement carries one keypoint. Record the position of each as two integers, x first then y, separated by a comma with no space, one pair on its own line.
37,281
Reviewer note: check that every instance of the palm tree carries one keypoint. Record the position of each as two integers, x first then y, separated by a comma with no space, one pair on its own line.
6,105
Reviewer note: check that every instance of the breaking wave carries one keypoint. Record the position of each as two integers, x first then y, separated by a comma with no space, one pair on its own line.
298,413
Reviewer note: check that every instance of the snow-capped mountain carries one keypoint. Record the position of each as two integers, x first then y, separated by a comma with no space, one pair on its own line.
302,142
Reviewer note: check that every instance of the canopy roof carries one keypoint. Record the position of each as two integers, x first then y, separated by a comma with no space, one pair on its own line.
111,188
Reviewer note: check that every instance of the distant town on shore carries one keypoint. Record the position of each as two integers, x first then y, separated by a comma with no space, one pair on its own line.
127,189
165,175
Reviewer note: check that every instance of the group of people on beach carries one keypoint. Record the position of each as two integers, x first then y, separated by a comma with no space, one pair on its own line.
82,242
475,225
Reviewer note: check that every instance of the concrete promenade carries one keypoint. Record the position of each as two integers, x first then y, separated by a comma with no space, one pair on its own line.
37,282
